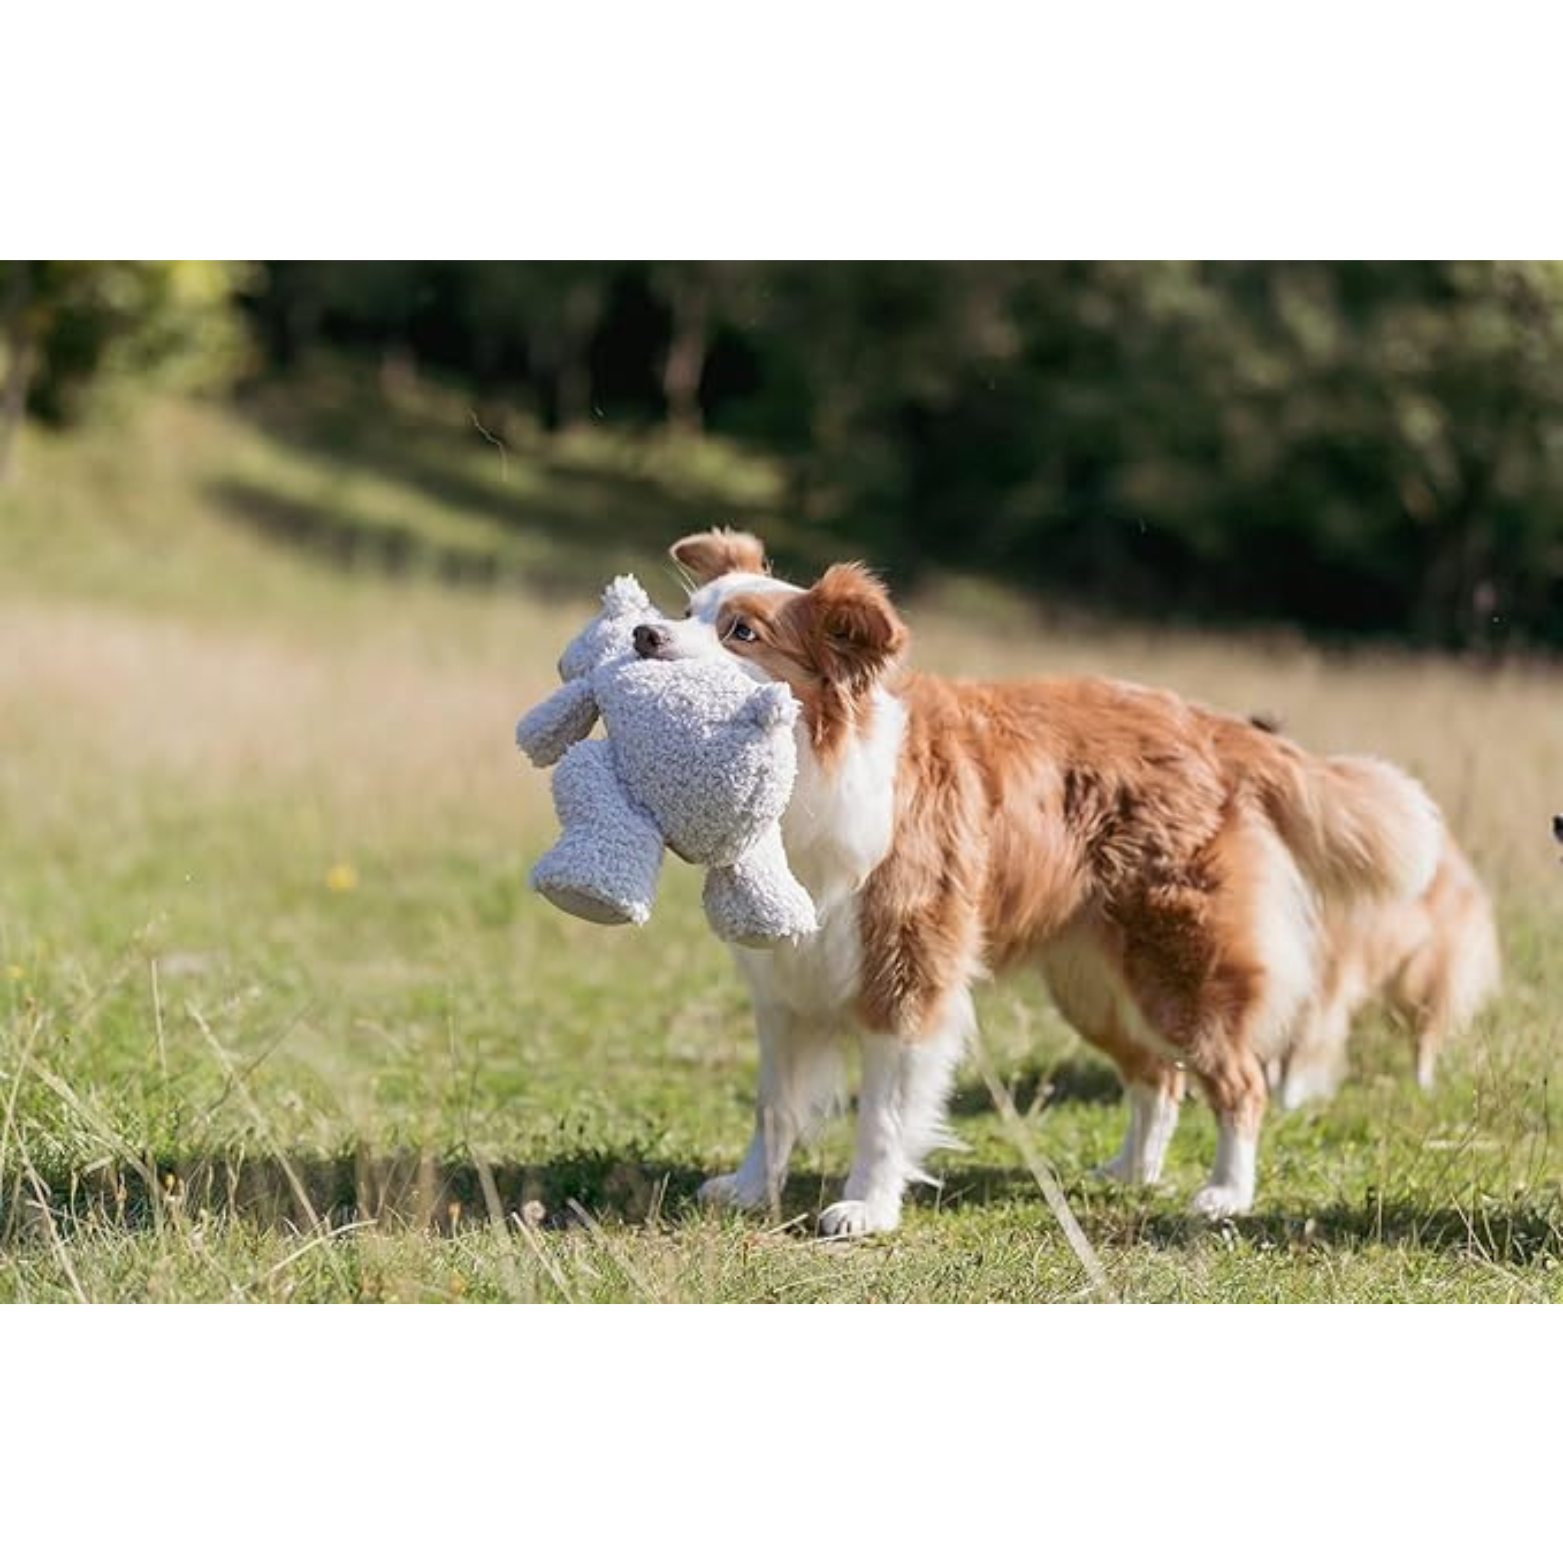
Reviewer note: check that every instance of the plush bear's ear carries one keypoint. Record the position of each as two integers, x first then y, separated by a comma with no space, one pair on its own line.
706,555
772,706
624,595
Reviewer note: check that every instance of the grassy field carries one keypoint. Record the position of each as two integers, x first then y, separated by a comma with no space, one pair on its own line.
279,1019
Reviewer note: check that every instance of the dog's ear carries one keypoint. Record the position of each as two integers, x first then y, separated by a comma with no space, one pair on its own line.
853,632
706,555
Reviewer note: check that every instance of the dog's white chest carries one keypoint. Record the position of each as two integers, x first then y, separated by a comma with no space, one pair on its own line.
838,828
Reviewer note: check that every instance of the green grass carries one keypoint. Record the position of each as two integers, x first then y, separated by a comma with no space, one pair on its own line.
279,1020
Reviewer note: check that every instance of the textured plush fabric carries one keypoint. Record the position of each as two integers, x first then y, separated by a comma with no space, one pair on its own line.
697,755
755,900
605,863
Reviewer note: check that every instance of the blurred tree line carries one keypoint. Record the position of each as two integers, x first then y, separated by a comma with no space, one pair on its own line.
1358,447
74,332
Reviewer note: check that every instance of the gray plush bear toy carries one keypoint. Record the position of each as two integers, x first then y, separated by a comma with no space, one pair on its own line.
698,757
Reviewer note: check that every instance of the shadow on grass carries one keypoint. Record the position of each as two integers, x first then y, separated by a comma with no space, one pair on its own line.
352,543
418,1191
1499,1234
409,1189
1076,1079
567,515
421,1192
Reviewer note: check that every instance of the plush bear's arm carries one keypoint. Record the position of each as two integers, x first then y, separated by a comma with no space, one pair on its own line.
564,718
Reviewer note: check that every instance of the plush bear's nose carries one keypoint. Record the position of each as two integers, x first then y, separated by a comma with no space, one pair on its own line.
651,640
1557,826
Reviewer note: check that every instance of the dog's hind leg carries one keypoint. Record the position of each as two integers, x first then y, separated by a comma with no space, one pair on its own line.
1153,1087
1085,977
1234,1084
1242,984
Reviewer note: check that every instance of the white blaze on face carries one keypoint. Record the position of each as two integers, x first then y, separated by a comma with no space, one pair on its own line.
695,634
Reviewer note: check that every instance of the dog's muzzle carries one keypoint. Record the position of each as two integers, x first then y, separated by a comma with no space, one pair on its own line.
651,640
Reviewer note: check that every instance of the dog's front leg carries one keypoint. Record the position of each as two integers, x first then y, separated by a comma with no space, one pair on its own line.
800,1077
900,1119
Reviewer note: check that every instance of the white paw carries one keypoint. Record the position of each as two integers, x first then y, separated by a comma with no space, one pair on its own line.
1117,1169
1216,1201
731,1192
858,1217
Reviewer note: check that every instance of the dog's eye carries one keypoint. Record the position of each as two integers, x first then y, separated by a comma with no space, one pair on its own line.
741,631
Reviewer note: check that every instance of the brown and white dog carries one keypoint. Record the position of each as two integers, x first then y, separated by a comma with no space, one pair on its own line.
1165,866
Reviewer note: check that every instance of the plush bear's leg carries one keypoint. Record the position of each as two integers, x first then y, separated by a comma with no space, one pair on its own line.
605,863
757,901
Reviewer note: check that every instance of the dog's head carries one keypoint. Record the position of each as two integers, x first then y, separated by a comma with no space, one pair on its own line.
830,643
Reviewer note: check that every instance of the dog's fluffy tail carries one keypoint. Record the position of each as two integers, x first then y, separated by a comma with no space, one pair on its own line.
1472,962
1359,828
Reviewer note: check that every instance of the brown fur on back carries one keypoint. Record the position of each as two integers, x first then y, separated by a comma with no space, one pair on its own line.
1023,805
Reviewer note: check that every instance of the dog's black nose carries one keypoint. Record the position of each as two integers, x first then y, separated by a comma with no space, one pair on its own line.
651,640
1557,826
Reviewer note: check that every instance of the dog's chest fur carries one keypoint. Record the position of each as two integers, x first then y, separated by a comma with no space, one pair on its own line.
838,828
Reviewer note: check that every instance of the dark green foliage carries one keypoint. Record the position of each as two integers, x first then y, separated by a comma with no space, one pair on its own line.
72,333
1360,448
85,322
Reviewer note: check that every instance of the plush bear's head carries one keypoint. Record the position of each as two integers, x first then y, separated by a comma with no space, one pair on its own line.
704,749
624,605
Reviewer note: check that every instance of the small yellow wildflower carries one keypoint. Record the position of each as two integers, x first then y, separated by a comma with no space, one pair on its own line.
341,876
